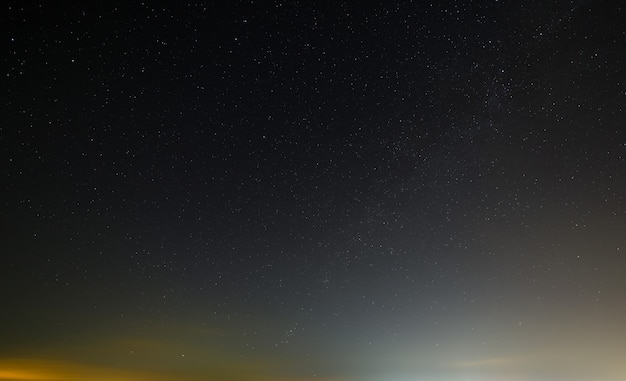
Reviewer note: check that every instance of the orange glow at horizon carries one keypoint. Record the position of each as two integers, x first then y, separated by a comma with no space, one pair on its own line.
51,370
37,369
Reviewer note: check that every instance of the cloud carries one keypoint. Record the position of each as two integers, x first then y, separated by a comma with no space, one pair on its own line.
492,362
553,364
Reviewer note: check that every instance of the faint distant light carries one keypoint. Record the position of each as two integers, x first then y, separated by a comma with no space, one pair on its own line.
19,374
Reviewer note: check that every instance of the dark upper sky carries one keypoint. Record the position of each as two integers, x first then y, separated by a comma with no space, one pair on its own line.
337,190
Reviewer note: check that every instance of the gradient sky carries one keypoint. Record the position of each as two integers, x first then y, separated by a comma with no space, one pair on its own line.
346,191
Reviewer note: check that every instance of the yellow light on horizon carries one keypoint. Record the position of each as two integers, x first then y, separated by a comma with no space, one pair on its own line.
52,370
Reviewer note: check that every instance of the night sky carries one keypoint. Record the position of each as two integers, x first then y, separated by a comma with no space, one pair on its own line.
346,191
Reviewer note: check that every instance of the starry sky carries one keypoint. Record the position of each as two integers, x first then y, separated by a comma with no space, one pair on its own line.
308,190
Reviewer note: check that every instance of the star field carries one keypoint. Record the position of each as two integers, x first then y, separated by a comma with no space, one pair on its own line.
308,190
